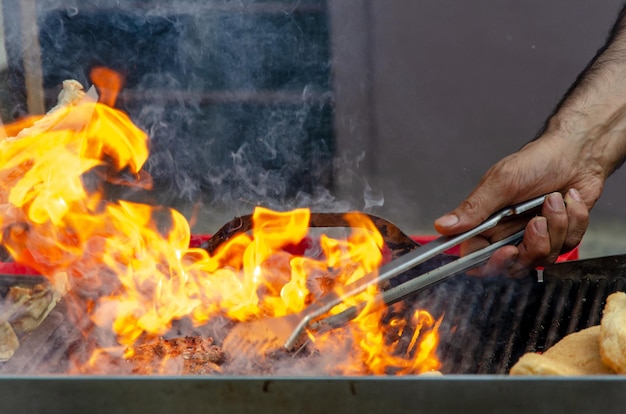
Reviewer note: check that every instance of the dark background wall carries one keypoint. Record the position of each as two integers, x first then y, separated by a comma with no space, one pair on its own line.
435,92
235,95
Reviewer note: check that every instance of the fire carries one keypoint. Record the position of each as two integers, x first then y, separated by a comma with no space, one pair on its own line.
130,267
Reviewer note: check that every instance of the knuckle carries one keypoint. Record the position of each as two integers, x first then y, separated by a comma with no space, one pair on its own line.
471,205
476,206
572,240
539,252
551,258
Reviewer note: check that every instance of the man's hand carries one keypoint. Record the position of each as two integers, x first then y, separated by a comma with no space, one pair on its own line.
548,165
583,143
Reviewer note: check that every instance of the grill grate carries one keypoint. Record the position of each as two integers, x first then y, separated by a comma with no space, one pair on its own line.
487,324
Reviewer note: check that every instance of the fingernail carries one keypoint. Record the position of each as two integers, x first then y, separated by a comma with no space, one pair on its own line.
574,194
447,220
541,226
555,201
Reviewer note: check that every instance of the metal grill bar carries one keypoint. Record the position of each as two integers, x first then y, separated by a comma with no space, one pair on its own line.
516,327
597,303
579,304
488,323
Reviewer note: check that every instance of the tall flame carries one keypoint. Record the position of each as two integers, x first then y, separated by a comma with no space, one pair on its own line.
130,266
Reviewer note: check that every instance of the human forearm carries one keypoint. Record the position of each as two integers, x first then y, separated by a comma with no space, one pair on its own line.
592,115
583,142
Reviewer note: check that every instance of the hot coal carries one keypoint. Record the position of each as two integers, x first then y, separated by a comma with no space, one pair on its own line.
188,355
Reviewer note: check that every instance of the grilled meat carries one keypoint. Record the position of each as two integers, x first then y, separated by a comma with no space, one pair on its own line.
189,355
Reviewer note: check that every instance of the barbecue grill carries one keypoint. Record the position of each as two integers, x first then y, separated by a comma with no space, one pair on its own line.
488,323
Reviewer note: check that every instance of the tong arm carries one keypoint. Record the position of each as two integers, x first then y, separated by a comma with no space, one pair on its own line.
443,243
402,264
402,291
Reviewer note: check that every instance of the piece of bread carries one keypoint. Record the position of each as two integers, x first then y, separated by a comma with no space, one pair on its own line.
576,354
613,333
582,350
538,364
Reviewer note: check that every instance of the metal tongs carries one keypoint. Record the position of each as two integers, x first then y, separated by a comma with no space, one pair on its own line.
408,261
287,331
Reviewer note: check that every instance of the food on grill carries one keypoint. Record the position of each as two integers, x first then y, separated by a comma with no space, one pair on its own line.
613,333
22,310
537,364
576,354
597,350
8,341
189,355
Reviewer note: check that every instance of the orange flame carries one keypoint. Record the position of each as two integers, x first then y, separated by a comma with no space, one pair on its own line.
130,265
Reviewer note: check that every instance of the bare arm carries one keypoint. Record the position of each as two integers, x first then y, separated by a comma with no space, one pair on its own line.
593,111
583,142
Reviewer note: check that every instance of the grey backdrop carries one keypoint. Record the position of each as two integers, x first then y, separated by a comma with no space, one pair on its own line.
435,92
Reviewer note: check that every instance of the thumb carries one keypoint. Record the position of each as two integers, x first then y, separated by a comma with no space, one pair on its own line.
472,211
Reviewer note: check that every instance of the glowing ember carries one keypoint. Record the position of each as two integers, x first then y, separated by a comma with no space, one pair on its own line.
130,267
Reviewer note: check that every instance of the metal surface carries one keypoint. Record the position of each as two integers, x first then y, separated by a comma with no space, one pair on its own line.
444,243
6,281
232,395
397,241
597,267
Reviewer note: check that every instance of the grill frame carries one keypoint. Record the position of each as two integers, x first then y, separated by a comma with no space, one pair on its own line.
362,395
32,392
